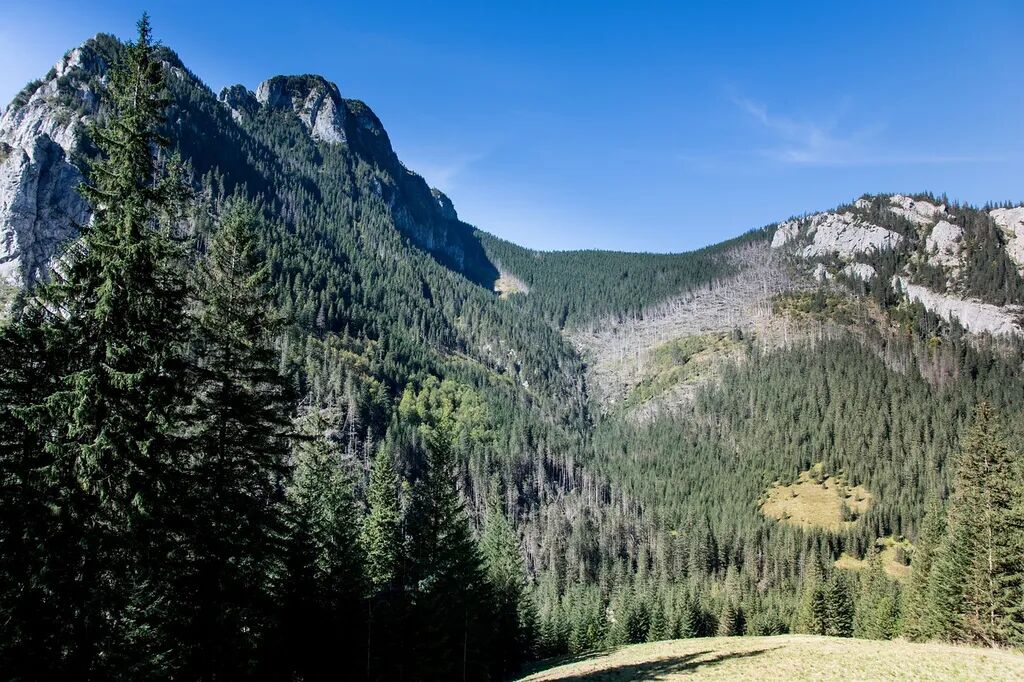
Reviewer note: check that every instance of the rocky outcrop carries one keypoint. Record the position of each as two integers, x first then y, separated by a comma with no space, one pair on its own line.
785,233
943,244
974,316
239,100
1011,223
840,234
39,209
445,204
315,100
39,205
920,212
861,271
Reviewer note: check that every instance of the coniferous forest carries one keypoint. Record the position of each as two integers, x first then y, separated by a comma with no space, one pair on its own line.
266,418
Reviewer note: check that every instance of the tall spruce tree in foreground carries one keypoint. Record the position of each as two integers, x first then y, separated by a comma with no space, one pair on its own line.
117,309
449,636
321,586
975,585
238,426
383,544
503,566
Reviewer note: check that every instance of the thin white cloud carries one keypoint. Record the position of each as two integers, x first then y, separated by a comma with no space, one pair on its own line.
441,170
801,142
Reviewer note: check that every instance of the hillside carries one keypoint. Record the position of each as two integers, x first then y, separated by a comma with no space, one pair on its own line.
656,446
789,657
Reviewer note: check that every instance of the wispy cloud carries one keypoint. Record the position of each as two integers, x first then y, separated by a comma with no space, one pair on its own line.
441,169
833,142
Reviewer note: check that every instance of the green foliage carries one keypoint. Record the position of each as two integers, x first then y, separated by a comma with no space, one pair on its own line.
877,603
976,581
920,615
321,582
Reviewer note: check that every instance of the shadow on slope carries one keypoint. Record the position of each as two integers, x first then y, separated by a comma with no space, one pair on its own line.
668,665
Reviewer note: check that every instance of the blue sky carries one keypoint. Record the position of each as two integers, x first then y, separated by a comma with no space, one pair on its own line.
640,126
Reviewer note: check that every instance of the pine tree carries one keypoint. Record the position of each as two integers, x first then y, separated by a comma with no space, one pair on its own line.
30,615
919,617
383,544
839,611
451,596
689,620
503,566
382,527
876,613
810,609
322,583
730,621
977,580
117,305
238,426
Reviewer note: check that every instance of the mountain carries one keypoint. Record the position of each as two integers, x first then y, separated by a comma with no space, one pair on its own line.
682,440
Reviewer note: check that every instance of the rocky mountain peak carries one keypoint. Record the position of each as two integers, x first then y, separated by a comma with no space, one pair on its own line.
315,100
239,99
445,204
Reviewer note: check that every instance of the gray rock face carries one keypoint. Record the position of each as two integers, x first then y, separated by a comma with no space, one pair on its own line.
445,204
975,316
1011,222
840,234
239,99
316,101
943,244
919,212
861,271
40,207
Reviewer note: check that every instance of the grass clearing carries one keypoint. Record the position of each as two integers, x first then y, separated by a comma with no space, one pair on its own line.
894,562
684,360
787,657
816,500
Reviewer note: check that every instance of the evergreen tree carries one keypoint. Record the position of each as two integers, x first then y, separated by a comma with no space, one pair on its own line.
977,580
810,610
839,609
30,615
876,615
118,316
321,587
503,566
384,545
730,622
451,595
919,616
238,427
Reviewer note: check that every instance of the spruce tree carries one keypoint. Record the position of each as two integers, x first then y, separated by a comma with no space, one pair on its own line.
919,617
384,544
976,583
117,309
503,567
321,586
808,614
238,426
451,595
30,614
839,608
876,611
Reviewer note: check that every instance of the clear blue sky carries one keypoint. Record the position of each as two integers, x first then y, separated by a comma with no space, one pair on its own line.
641,126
